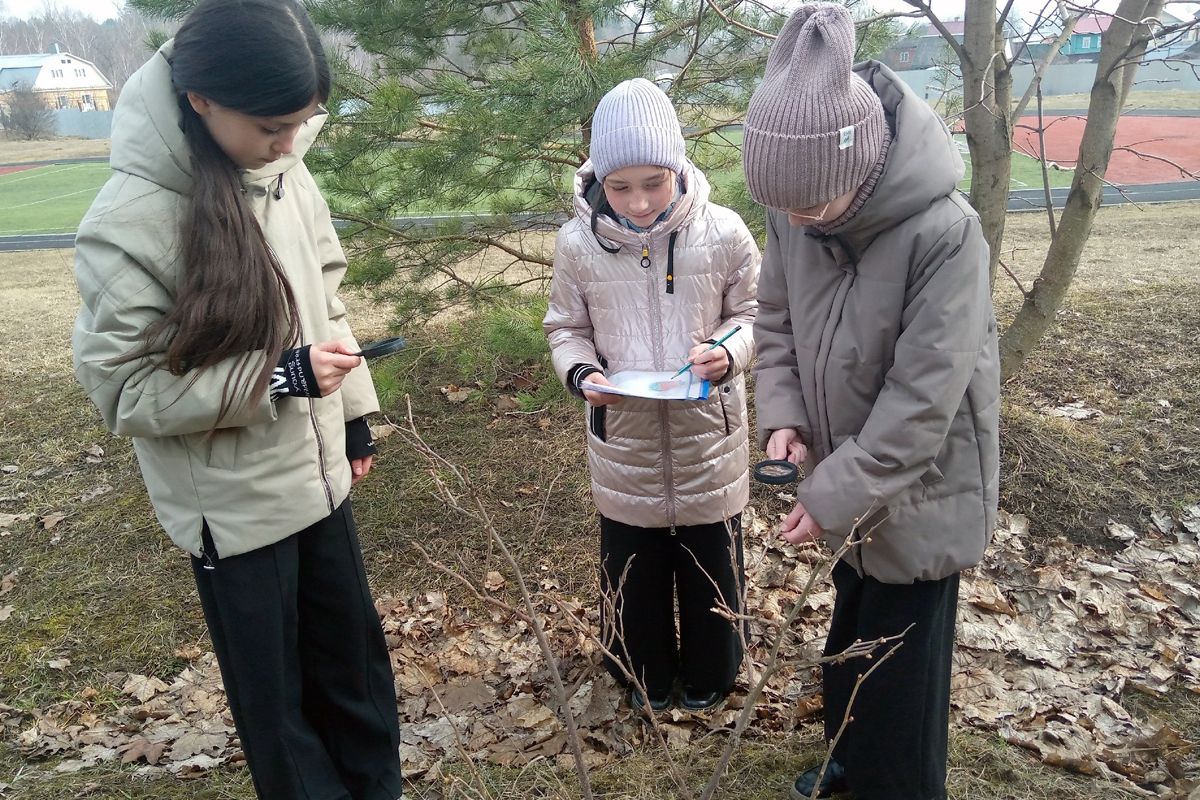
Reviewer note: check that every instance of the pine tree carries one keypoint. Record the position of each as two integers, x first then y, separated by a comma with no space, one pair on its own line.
457,108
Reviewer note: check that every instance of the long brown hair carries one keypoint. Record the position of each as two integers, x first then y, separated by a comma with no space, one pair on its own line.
262,58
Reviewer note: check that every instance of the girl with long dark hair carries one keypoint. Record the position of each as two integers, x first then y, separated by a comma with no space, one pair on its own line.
212,334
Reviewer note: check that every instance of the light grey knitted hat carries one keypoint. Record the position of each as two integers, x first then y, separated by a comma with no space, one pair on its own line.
814,129
634,125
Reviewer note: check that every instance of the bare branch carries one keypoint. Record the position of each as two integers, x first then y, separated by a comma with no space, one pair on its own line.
937,23
1040,68
721,13
479,512
1183,171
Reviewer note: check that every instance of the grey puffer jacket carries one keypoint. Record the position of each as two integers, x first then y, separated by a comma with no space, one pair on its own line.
878,342
270,468
657,463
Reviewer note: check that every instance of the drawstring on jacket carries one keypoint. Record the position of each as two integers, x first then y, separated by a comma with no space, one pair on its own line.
279,188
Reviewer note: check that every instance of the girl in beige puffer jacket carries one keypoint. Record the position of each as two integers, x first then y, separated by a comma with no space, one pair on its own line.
648,276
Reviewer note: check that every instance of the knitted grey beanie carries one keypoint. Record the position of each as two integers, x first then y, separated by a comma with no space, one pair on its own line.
635,125
813,129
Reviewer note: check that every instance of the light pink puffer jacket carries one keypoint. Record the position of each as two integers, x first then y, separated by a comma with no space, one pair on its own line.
656,463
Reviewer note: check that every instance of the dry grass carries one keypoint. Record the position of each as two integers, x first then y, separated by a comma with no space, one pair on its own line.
1143,98
1125,343
1128,337
38,305
15,152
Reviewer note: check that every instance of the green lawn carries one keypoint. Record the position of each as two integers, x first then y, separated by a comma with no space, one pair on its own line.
50,199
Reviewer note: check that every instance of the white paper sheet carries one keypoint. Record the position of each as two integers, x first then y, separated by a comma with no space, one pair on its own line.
653,385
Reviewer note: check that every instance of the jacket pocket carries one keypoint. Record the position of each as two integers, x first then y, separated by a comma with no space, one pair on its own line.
597,416
722,395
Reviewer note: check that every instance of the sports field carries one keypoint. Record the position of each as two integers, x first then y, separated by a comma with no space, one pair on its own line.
54,198
50,199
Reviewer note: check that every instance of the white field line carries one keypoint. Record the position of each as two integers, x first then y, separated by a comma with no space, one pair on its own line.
56,197
11,178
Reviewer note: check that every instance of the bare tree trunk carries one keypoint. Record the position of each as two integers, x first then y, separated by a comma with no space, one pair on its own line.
1122,45
987,96
585,27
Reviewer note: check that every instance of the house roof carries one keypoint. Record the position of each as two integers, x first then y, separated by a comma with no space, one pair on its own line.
24,68
12,76
1093,23
957,27
25,61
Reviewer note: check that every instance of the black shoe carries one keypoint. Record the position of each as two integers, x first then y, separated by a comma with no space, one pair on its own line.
657,704
834,782
700,701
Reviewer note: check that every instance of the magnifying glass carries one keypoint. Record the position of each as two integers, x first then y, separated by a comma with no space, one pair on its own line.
776,472
384,347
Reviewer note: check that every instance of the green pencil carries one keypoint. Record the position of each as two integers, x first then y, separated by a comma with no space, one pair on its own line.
720,341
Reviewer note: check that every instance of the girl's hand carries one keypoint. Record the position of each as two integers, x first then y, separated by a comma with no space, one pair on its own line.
785,444
709,365
799,527
600,398
331,361
359,467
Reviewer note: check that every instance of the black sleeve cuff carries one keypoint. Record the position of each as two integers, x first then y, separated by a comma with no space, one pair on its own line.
294,376
576,375
359,443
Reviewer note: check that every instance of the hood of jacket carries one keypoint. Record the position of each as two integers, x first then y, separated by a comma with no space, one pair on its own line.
687,208
923,163
148,141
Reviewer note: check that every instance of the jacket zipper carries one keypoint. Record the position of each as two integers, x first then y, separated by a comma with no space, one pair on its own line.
826,346
312,418
664,420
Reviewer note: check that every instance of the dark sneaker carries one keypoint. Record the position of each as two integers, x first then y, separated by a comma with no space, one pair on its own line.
701,701
833,782
657,704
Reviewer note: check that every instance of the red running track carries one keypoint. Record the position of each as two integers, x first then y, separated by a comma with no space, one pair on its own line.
1176,139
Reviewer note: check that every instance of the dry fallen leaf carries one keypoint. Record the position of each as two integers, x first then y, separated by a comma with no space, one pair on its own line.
8,583
58,663
142,748
5,613
143,687
194,744
7,520
455,394
50,520
493,581
1076,410
506,402
94,455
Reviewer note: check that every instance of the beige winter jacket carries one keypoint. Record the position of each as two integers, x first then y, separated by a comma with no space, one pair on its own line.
272,468
658,463
878,342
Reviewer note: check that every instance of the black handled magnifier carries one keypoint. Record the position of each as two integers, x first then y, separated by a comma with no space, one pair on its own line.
776,472
384,347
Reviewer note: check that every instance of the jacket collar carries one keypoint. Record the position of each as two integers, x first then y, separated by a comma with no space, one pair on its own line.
148,141
923,163
687,208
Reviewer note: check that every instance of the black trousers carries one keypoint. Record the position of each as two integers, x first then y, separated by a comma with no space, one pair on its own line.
305,665
695,562
895,748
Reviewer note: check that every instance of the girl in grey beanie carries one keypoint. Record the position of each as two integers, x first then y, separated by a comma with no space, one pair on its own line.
647,276
878,370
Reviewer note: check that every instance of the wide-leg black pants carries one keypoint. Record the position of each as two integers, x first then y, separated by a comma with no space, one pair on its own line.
703,565
895,748
305,666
